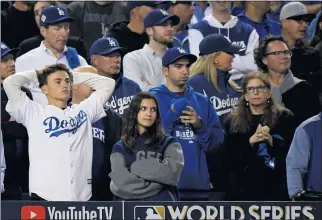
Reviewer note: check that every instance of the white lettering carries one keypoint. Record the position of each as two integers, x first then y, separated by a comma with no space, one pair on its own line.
177,214
276,209
264,212
233,212
253,211
196,207
306,212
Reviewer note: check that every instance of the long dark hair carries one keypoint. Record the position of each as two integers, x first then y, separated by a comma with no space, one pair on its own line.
241,117
130,131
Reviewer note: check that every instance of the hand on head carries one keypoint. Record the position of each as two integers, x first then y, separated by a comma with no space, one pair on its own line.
86,69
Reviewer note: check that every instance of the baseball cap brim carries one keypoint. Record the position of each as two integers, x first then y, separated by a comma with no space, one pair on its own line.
192,58
232,49
305,17
175,20
68,19
11,51
111,50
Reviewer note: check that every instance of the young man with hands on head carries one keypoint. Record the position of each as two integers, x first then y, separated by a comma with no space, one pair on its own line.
60,136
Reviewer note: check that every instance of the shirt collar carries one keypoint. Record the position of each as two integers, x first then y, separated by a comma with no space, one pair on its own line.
45,49
148,50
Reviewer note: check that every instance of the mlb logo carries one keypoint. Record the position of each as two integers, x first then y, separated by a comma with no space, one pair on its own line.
149,212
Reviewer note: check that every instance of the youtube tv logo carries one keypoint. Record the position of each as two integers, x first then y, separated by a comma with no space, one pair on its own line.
33,212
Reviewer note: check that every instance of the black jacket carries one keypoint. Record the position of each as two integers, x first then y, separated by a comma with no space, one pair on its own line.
112,124
16,178
247,176
303,101
126,38
306,64
34,42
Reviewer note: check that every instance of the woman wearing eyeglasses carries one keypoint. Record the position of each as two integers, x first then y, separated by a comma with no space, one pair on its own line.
258,136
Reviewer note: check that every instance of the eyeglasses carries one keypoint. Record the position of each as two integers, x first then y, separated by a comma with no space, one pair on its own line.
301,20
257,89
279,53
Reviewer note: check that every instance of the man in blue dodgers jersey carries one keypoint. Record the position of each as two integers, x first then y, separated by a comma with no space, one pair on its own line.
303,162
191,118
106,132
60,136
105,56
222,22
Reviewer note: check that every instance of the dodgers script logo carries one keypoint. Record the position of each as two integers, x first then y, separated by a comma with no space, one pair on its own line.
58,127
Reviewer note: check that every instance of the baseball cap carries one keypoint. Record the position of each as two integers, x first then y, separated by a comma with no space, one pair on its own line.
6,50
133,4
217,42
54,15
295,10
105,46
167,4
158,16
176,53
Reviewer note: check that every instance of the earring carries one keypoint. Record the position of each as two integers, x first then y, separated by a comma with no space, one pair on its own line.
268,102
216,62
247,103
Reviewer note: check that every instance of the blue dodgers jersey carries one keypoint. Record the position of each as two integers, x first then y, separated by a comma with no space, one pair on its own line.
98,149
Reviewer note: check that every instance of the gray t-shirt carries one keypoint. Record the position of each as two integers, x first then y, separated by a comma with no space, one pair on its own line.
93,21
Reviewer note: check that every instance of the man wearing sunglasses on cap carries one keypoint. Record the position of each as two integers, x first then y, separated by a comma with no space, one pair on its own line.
305,59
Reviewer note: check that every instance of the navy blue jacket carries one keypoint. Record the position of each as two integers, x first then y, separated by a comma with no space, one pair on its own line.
194,179
225,100
263,29
123,93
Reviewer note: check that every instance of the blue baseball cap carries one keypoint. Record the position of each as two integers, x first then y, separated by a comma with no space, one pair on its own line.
158,16
167,4
53,15
105,46
217,42
6,50
133,4
176,53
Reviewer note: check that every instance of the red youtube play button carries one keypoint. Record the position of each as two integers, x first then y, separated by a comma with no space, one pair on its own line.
33,212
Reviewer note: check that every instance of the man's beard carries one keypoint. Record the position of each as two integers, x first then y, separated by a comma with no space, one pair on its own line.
162,40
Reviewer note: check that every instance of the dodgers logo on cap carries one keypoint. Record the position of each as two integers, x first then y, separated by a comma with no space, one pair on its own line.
53,15
181,50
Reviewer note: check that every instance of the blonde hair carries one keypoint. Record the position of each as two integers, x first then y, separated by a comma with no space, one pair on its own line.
205,64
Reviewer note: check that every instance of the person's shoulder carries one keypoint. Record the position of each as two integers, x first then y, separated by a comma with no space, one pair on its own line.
32,40
135,53
76,4
128,81
199,24
168,139
311,122
119,147
244,26
32,54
